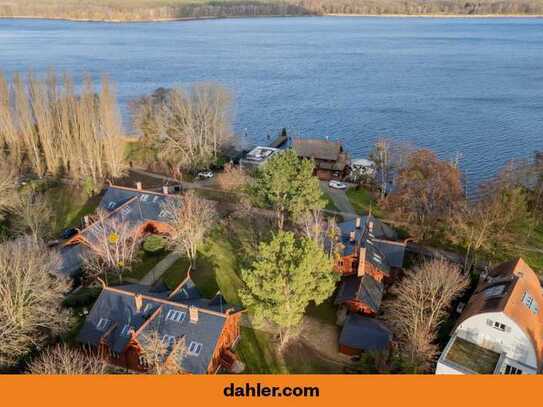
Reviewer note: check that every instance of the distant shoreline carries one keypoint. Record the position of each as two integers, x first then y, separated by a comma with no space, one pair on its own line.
160,20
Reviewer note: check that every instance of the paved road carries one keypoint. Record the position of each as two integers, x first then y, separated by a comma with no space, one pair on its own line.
340,200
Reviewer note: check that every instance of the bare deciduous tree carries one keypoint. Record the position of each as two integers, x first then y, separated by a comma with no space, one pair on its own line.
52,130
188,130
8,189
162,358
232,179
190,219
33,216
112,246
63,360
419,306
30,298
427,191
497,220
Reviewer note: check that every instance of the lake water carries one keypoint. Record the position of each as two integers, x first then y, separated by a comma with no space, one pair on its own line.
471,88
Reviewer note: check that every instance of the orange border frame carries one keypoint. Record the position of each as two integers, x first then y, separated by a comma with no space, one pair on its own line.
362,390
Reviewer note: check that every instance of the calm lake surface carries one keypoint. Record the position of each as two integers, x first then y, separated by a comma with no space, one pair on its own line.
472,87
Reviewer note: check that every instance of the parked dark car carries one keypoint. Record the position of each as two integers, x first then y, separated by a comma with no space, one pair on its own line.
68,233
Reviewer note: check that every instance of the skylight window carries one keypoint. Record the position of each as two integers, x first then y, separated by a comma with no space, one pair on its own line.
111,205
144,197
147,308
175,315
195,348
168,340
529,301
102,324
127,329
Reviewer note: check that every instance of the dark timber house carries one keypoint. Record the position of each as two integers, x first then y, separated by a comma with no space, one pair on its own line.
331,161
368,261
123,318
140,208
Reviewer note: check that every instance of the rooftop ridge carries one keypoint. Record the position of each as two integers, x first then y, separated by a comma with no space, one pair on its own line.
162,301
109,215
142,191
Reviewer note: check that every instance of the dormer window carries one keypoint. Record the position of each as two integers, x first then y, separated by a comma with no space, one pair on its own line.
195,348
499,326
176,315
102,324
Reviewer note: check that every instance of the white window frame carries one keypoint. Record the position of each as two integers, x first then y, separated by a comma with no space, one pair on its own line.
126,331
168,340
195,348
176,315
499,326
102,324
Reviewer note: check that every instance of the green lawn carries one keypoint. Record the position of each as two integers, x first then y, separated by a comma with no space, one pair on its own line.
361,200
70,205
145,264
217,267
176,273
257,350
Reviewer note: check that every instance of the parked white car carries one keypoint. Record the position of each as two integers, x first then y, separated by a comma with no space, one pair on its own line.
337,185
206,174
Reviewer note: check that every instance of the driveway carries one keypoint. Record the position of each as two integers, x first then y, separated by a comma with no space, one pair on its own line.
340,200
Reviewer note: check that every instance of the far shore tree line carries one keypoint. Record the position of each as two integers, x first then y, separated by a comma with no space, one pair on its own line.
144,10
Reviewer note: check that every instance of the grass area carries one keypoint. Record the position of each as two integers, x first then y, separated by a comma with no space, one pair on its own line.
533,253
176,273
145,264
70,205
257,350
330,205
361,200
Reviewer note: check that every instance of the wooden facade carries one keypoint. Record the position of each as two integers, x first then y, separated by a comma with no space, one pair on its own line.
130,358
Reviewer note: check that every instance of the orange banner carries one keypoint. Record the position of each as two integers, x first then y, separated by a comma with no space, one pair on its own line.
360,390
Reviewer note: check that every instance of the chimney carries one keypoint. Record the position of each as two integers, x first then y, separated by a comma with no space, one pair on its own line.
358,222
193,312
138,300
361,270
165,190
352,237
139,187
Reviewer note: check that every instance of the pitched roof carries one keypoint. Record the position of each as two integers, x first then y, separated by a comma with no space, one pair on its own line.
508,289
367,334
117,305
131,206
365,289
317,149
382,254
